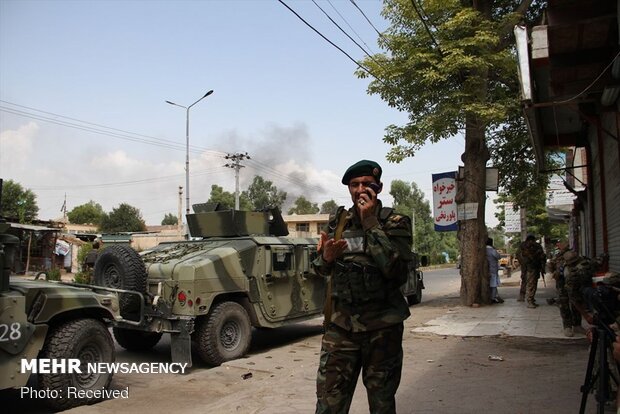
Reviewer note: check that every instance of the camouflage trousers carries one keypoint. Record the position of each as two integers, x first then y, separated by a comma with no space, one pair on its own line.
523,283
570,315
379,356
531,284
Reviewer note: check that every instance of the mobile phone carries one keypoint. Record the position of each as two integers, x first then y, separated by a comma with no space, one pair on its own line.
375,187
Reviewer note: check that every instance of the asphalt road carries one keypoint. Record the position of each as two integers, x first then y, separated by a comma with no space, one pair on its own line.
439,284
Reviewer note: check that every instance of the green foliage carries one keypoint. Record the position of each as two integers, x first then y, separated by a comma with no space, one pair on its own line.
170,220
303,206
18,202
329,207
121,219
262,193
89,213
409,200
466,70
227,199
82,277
83,251
53,274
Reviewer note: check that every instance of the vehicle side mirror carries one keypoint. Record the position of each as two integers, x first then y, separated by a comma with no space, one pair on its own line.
424,260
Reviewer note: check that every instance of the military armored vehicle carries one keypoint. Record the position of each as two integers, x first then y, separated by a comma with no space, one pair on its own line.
238,272
412,289
43,323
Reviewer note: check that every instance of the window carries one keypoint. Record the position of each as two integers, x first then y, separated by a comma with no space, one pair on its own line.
302,227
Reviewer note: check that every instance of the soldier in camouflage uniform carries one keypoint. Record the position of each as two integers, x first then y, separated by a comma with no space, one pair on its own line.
578,272
367,267
571,318
532,255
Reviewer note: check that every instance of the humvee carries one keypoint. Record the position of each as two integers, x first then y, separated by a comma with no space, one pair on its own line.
54,322
238,271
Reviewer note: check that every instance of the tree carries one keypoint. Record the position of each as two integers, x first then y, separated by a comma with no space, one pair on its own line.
262,193
227,199
18,202
170,220
89,213
451,67
328,207
121,219
303,206
409,200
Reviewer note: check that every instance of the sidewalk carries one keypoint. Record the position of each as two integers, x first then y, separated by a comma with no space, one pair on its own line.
510,318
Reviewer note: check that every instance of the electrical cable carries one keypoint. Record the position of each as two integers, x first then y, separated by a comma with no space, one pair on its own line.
95,128
366,17
591,84
350,27
428,30
332,43
345,33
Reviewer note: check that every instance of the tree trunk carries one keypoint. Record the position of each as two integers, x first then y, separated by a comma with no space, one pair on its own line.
472,233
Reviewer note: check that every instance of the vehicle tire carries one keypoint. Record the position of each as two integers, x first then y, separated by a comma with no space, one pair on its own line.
87,340
417,296
121,267
134,340
224,334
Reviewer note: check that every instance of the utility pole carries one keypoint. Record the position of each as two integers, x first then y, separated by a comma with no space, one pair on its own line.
179,221
64,210
236,165
413,229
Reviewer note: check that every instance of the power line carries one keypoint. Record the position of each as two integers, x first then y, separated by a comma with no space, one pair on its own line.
343,31
366,17
96,128
423,20
331,43
350,27
121,183
273,172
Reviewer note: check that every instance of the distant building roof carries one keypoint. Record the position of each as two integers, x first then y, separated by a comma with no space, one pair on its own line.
295,218
32,227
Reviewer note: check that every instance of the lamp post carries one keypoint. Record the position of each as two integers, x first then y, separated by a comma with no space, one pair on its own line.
187,146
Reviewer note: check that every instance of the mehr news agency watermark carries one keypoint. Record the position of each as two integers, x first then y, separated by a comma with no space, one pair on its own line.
75,366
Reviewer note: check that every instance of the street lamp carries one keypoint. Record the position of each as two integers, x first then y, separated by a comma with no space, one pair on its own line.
187,147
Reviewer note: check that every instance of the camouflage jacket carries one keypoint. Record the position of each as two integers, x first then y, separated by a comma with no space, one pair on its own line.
531,255
366,280
577,276
556,265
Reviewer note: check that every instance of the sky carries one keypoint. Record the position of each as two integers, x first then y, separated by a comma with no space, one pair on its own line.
84,85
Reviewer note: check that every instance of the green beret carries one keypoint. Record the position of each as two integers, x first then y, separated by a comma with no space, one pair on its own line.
360,169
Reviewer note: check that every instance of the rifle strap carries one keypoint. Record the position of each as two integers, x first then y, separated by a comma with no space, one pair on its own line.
328,306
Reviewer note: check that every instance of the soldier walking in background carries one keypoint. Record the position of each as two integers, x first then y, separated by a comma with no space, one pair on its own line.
365,311
571,318
578,273
532,258
523,267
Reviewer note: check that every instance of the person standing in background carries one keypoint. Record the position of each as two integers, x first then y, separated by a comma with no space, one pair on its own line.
494,282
